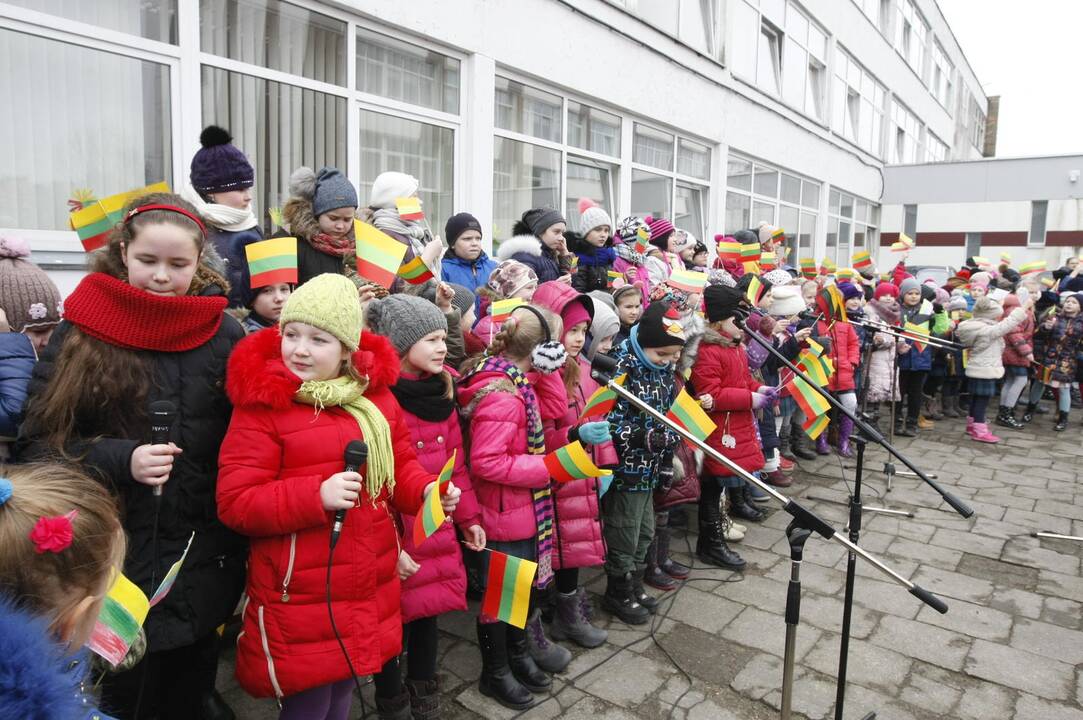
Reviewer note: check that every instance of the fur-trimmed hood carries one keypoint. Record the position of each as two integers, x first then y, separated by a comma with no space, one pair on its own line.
520,243
257,377
299,219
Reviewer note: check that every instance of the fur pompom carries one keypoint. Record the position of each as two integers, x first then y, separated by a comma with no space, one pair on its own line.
585,203
14,247
213,135
549,357
303,183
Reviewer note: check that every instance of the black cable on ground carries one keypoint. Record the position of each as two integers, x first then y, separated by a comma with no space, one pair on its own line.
341,644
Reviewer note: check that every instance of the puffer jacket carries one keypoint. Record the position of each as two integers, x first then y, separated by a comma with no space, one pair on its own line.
529,250
439,586
1018,343
16,366
231,246
275,456
592,272
721,371
882,370
920,314
502,472
1061,347
845,354
985,338
470,274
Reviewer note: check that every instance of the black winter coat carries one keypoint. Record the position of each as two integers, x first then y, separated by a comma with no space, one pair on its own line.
212,577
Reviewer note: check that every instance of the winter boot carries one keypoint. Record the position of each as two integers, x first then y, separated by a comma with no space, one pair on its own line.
655,576
497,680
969,425
777,478
743,507
949,407
823,445
676,570
640,594
1062,421
785,466
799,445
925,423
570,623
523,667
551,658
784,442
729,522
711,548
395,708
618,600
424,699
731,531
981,434
1006,418
846,428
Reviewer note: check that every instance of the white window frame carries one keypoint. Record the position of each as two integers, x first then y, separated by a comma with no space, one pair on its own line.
872,229
859,82
775,201
942,82
911,30
895,156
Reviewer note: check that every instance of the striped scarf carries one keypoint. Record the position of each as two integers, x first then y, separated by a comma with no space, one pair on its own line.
535,443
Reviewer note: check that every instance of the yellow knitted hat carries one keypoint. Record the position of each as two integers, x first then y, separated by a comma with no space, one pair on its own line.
329,302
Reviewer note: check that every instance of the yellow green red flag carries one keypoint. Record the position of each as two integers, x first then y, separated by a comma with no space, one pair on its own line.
415,272
507,592
814,426
572,462
432,515
378,254
808,398
687,412
602,401
501,309
272,261
122,614
409,208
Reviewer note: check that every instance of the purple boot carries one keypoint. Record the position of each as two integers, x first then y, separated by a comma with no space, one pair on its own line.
823,446
846,428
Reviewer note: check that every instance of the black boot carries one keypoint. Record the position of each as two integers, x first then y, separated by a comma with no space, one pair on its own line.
1062,421
618,600
741,505
784,447
497,680
905,427
640,594
215,708
801,445
1006,418
1029,413
711,547
394,708
655,576
951,409
671,567
522,665
424,699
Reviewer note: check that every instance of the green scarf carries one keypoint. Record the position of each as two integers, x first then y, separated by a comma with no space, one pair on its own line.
348,394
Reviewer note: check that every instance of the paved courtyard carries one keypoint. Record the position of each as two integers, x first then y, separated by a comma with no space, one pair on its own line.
1011,645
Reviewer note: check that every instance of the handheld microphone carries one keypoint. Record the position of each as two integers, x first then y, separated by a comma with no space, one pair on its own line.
357,451
162,414
602,367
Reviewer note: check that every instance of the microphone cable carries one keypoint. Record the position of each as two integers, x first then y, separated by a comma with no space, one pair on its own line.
338,636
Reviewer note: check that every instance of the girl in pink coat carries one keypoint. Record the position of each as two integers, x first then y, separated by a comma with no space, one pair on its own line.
433,577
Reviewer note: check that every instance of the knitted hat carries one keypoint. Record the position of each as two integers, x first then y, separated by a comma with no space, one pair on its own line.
721,302
766,232
28,296
541,219
219,166
577,311
660,229
601,297
778,277
957,302
604,324
510,277
626,290
333,191
463,300
592,216
629,226
404,319
849,290
786,300
659,327
389,186
981,278
907,285
329,302
886,288
458,224
987,308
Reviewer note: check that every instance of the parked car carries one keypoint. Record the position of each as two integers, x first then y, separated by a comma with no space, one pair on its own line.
939,274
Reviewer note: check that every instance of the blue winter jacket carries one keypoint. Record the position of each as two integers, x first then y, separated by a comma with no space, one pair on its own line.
472,275
914,360
16,366
230,245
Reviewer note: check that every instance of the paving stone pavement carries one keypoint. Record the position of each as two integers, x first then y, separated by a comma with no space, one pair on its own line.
1011,645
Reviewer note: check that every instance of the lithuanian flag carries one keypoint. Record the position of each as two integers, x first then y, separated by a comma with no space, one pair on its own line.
415,272
814,347
1036,266
831,304
814,426
808,398
409,208
904,243
808,268
572,462
861,259
507,592
750,252
755,291
611,276
687,413
1006,258
768,261
816,367
690,281
729,249
981,261
602,401
119,620
92,226
432,515
643,238
272,261
1044,374
501,309
828,266
844,274
909,328
378,254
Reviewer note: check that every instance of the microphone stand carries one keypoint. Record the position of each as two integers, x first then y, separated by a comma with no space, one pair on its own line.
802,516
865,432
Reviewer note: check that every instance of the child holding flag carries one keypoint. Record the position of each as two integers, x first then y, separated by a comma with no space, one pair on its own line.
434,580
845,352
301,393
593,245
984,335
395,209
269,276
916,362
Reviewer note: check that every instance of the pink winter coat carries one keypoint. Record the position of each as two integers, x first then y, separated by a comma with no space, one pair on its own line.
502,472
439,586
1019,343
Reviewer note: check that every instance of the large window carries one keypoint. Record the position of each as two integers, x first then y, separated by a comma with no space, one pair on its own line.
670,178
398,70
589,179
904,141
524,176
150,19
759,192
852,224
527,110
693,22
593,129
857,104
935,149
879,13
976,115
804,58
911,36
76,119
942,85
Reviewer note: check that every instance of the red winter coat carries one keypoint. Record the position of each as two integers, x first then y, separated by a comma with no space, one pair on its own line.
502,472
439,586
845,354
275,455
1019,342
722,372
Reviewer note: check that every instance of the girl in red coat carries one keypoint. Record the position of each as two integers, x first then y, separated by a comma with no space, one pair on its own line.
434,580
845,352
301,394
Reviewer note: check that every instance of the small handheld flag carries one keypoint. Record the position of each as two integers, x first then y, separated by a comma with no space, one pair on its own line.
729,250
507,592
1030,267
378,254
611,276
910,328
432,515
687,412
755,291
409,208
814,426
118,623
572,462
1006,258
808,268
643,238
814,347
982,261
272,261
688,280
861,259
602,401
768,261
904,243
808,398
828,266
415,272
501,309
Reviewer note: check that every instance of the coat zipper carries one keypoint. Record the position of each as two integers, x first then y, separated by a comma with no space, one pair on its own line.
289,568
267,653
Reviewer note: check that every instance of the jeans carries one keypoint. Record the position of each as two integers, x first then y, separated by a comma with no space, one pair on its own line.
1064,395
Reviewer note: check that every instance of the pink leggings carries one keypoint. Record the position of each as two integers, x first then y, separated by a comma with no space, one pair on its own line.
326,702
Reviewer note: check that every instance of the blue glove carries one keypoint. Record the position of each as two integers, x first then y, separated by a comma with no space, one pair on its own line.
594,433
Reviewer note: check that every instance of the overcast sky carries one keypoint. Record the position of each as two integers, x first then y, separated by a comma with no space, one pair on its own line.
1028,52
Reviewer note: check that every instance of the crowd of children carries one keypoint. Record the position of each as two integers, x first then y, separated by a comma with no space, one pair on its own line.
251,477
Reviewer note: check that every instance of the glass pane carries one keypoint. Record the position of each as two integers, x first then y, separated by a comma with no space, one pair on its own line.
739,173
859,238
101,123
847,207
832,237
653,147
843,255
788,218
767,62
762,211
693,159
791,189
651,195
527,110
152,19
741,50
765,182
697,18
588,179
279,127
861,210
737,212
275,35
794,62
662,14
810,194
833,200
689,210
425,151
524,176
806,234
593,129
398,70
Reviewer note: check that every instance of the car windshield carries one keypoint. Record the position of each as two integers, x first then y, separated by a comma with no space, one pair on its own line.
937,273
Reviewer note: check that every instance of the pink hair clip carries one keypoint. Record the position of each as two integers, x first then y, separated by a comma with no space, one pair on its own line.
53,534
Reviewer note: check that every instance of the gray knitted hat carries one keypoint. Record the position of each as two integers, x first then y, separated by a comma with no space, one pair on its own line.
333,191
404,319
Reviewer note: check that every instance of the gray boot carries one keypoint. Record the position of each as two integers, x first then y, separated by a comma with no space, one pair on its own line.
571,623
549,656
424,699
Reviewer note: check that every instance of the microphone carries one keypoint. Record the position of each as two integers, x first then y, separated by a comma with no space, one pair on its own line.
162,414
357,451
602,367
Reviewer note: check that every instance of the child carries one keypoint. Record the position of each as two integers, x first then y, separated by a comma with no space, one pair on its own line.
631,264
593,246
845,352
220,188
1018,357
539,244
61,545
645,448
262,306
465,262
511,279
1059,340
320,214
695,257
507,469
425,392
662,255
984,335
914,364
146,325
301,393
883,375
383,213
629,302
785,307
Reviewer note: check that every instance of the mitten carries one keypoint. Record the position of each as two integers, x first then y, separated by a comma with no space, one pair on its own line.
594,433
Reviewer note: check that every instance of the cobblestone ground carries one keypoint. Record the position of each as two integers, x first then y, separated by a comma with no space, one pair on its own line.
1011,645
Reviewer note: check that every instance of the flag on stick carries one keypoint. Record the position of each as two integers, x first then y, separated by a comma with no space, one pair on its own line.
687,413
690,281
118,623
572,462
910,328
409,208
92,226
817,367
904,243
814,426
611,277
1044,374
415,272
643,238
1035,266
501,309
814,347
272,261
432,515
729,250
808,268
808,398
828,266
861,259
378,254
1006,258
768,261
982,262
755,291
507,592
602,401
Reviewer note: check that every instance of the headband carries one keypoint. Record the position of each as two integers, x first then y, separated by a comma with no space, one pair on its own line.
541,319
168,208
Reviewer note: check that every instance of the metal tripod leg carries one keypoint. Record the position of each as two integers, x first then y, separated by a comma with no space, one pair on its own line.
797,536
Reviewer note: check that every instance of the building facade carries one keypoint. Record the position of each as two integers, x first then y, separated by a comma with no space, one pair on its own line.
717,113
